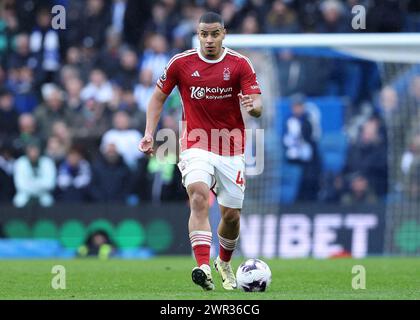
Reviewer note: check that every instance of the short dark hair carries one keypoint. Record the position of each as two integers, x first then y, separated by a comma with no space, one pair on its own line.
212,17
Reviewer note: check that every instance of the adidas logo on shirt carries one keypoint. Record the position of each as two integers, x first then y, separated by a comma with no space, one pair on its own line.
195,74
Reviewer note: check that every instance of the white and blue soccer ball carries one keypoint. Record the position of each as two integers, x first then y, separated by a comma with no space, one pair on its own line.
253,275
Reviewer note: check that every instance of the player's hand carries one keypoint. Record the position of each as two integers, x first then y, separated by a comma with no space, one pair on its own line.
146,144
246,102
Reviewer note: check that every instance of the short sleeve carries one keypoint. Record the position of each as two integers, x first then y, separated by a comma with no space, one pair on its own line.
168,80
249,83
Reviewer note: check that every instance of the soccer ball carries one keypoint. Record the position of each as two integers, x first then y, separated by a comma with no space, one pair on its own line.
253,275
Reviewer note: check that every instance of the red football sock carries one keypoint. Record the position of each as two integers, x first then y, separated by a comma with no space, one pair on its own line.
227,246
201,243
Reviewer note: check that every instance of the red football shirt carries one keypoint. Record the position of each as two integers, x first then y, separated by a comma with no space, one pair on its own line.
212,118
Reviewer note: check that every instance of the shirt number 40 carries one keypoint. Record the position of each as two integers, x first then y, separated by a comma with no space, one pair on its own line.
239,179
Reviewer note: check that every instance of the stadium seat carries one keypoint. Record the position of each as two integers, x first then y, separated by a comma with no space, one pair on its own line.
331,109
290,177
29,248
332,150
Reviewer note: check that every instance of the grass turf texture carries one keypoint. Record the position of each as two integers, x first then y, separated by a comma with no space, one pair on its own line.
169,278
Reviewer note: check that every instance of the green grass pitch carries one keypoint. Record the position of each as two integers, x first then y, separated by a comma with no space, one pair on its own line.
169,278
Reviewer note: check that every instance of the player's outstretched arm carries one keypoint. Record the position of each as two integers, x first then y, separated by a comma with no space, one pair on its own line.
252,104
154,109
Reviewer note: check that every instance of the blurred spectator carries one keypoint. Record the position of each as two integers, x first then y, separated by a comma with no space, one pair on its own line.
128,104
301,148
231,16
144,89
414,92
155,56
51,110
21,79
88,59
21,55
25,10
357,121
77,64
170,121
34,177
45,45
412,154
68,73
314,117
393,112
411,182
61,130
74,176
385,16
257,8
98,88
116,101
118,9
59,142
213,5
91,122
359,191
346,78
137,14
73,87
124,138
109,57
55,150
98,244
4,41
7,161
333,18
22,83
295,74
281,19
111,178
368,156
331,188
388,103
73,12
8,27
2,75
173,6
27,132
298,132
163,180
186,28
127,73
8,117
308,14
250,24
162,20
87,23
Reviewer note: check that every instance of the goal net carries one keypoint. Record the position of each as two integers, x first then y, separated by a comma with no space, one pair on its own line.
349,78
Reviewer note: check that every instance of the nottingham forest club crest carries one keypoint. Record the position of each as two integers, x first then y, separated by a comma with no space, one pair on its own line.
226,74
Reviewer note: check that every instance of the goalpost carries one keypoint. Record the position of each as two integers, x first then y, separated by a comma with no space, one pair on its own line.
397,57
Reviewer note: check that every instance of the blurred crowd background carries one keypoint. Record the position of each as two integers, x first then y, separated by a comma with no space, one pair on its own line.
73,102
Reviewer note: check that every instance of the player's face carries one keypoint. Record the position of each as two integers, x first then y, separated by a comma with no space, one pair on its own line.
211,36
